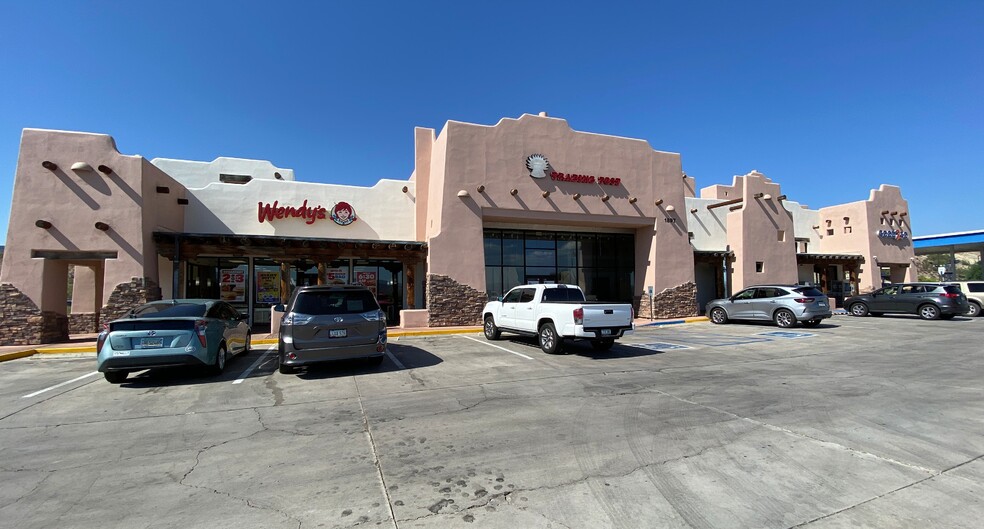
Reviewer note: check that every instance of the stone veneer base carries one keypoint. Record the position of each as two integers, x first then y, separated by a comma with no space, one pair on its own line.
450,303
127,296
676,302
23,323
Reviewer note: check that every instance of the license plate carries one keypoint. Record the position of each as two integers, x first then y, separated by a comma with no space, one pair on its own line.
146,343
606,332
121,353
821,304
337,333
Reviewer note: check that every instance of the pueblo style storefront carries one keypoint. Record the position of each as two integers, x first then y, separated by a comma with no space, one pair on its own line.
486,208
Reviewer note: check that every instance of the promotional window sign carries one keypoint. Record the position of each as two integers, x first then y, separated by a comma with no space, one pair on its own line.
267,287
336,276
367,279
232,285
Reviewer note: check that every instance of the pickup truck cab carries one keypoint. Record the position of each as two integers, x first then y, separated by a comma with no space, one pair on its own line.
557,313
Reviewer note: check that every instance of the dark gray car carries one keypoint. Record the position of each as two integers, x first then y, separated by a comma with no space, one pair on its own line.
783,304
930,301
331,322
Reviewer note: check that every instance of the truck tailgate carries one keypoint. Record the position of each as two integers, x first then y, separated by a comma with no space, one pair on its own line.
607,315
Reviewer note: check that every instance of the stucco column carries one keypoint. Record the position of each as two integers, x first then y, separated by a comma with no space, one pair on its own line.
322,273
409,279
284,284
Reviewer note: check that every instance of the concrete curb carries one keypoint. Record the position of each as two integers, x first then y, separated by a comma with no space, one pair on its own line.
15,355
696,319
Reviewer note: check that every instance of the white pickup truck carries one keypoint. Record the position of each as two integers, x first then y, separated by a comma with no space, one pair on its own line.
555,313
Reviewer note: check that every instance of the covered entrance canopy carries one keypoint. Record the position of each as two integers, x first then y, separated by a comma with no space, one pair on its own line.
826,268
279,264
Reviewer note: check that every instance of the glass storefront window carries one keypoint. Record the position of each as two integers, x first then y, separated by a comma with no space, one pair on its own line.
493,248
602,264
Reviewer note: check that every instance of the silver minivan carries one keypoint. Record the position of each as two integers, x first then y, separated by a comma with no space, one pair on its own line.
330,322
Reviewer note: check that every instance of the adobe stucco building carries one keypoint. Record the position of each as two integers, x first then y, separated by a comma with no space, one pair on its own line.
486,208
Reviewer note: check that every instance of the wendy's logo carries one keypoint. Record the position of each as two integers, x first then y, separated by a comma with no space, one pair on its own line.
343,214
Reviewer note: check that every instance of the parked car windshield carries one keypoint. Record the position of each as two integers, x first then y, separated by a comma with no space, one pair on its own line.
808,291
335,302
170,310
562,294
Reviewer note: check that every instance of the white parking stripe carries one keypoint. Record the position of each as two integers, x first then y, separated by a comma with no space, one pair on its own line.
496,346
252,367
36,393
395,361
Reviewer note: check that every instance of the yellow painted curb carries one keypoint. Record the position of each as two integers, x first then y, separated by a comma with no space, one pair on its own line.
66,350
14,356
433,332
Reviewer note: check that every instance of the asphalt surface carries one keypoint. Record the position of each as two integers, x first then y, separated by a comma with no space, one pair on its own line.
863,422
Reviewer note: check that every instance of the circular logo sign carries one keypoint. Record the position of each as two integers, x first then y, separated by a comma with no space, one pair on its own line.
343,214
538,165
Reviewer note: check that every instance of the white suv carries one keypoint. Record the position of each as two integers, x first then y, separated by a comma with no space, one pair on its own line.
975,295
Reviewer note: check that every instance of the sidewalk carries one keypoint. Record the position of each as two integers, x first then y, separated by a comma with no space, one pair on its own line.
86,343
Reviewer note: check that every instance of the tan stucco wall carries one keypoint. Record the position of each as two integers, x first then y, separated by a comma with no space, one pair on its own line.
466,156
753,233
73,201
864,219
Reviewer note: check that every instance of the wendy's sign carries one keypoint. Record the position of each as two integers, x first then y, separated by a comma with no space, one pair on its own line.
342,213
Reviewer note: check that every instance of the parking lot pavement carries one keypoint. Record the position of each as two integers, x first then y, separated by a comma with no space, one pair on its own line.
861,422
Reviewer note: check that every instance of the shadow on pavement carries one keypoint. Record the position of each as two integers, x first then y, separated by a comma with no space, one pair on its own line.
411,358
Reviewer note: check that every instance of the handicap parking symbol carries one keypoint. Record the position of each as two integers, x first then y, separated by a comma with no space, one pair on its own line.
659,346
786,334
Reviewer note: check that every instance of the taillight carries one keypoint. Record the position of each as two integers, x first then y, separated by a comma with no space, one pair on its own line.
804,300
101,340
200,327
578,316
949,295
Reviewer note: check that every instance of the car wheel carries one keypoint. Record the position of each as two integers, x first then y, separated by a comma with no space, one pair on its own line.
929,312
859,309
549,341
784,318
602,345
491,331
811,323
719,315
220,361
974,310
115,377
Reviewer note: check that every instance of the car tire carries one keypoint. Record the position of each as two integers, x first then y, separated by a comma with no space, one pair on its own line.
603,344
116,377
550,342
220,361
858,309
784,318
491,331
718,315
929,312
811,323
974,310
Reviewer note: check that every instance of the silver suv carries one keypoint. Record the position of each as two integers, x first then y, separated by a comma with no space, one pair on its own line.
931,301
336,322
783,304
974,290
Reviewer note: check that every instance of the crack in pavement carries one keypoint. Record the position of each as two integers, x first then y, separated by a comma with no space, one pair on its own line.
367,429
880,496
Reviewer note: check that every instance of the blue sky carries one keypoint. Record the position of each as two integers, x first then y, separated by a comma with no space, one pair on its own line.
828,99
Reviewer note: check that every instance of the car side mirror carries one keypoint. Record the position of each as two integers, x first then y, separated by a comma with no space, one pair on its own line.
279,307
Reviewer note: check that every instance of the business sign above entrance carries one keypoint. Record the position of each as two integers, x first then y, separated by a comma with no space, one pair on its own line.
342,213
898,235
538,166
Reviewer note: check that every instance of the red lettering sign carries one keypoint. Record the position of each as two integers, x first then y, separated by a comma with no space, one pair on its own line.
268,212
585,179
